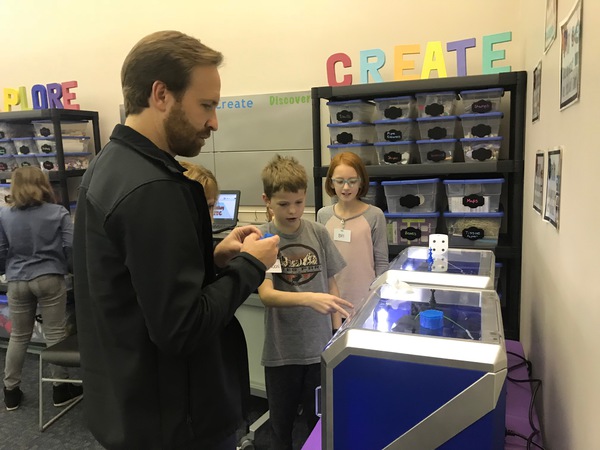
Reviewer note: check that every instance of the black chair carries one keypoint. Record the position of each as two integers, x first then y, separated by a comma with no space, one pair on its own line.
65,354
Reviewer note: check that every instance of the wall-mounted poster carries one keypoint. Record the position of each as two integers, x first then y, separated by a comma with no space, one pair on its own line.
538,183
551,212
570,57
550,34
537,92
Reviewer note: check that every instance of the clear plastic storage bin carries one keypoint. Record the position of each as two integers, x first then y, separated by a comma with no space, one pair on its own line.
73,161
479,230
433,104
48,161
351,111
4,193
481,149
26,160
395,153
8,163
7,147
482,100
351,133
411,228
437,127
365,151
45,128
393,108
12,130
372,195
411,195
440,151
474,195
71,144
25,145
77,160
481,125
395,130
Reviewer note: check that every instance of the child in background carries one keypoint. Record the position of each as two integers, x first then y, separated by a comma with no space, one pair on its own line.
36,237
208,181
299,297
357,228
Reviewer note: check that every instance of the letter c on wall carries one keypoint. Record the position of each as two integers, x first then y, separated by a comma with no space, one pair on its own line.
331,62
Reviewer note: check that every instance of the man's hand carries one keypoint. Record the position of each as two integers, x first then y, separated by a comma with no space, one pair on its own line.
246,239
265,250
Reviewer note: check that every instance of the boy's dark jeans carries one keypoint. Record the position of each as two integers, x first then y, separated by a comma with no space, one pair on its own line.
288,387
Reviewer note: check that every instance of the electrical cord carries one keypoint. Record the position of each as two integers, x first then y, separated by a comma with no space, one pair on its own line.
519,435
523,361
536,384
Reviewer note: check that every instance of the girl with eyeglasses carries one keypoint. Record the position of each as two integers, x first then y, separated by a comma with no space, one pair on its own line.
357,228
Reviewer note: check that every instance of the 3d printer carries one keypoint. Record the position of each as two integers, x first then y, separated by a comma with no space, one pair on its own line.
422,364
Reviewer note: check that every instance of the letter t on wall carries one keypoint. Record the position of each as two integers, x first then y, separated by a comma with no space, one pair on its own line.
460,47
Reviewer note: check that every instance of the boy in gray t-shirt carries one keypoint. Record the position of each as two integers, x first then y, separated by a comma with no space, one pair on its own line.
300,296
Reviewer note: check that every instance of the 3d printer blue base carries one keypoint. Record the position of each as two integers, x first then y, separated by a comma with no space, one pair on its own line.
378,400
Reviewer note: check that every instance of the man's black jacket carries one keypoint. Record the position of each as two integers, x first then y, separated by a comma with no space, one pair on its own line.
164,359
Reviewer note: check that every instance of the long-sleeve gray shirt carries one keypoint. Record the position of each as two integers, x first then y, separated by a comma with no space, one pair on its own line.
35,241
366,253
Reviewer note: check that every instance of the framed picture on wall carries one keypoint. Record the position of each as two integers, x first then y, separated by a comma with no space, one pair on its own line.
537,92
570,57
553,178
538,183
550,30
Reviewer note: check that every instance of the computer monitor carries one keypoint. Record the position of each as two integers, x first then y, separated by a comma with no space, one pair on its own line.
225,213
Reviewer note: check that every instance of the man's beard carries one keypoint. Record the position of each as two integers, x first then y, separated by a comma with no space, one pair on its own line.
182,138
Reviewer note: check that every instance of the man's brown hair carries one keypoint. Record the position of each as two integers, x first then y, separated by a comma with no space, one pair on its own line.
167,56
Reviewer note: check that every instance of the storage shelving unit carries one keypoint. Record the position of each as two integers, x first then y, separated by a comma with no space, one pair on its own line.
508,251
61,176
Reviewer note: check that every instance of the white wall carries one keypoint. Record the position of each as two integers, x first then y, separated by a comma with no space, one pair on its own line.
269,46
283,46
560,297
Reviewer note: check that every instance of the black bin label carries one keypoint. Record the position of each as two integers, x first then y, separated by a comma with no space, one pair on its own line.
410,201
410,233
393,135
473,233
473,201
344,116
481,106
393,112
436,155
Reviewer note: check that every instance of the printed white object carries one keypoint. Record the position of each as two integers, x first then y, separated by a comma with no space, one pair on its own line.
438,250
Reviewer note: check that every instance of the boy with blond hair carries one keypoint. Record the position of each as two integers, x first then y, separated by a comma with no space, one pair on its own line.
300,297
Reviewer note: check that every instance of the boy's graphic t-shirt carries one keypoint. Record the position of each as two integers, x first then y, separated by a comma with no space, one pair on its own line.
298,335
299,264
